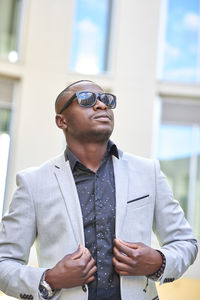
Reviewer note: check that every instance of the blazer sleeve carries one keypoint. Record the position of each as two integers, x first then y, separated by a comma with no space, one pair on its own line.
173,231
17,234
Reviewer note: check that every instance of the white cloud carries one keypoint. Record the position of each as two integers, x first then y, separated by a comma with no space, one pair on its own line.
182,74
87,27
87,64
192,21
89,43
171,51
89,40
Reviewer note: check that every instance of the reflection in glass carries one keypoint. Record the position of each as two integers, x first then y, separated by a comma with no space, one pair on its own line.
179,155
4,150
182,41
90,36
10,13
197,202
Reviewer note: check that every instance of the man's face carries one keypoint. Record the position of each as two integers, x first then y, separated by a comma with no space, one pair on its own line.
93,124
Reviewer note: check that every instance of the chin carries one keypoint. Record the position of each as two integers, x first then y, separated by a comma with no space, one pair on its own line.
100,135
103,135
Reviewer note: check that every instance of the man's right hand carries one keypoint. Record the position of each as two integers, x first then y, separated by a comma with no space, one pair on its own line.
74,269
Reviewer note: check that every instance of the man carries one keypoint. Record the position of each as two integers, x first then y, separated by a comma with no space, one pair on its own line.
91,212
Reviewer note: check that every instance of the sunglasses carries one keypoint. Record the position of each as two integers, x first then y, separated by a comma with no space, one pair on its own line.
89,99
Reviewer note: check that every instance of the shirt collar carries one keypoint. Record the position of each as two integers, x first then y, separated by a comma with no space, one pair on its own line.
69,155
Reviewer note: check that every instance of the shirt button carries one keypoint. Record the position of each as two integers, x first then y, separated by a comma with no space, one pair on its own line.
84,288
100,205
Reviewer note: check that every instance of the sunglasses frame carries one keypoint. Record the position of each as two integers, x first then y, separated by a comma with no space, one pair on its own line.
76,95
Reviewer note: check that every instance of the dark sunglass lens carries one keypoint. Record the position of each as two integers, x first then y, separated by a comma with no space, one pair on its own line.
86,99
109,100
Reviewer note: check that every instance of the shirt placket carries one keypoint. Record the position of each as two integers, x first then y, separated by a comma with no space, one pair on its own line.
100,229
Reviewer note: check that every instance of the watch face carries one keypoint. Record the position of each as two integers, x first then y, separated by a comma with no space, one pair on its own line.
43,291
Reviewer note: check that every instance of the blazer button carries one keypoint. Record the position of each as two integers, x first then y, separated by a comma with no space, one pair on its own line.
84,288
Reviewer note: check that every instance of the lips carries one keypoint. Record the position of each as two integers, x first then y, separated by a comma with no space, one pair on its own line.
102,116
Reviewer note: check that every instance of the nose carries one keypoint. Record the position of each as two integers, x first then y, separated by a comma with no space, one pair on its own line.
100,105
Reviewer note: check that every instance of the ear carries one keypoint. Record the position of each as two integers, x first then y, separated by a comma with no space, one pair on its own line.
61,122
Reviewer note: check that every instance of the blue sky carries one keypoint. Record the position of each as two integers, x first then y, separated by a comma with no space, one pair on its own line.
182,52
177,141
89,38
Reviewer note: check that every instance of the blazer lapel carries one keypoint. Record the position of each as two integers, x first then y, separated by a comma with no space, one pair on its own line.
121,188
70,195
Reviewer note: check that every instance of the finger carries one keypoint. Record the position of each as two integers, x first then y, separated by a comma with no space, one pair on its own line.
121,257
132,245
121,267
87,256
90,268
90,279
91,263
90,275
92,271
85,273
124,248
124,273
128,244
78,253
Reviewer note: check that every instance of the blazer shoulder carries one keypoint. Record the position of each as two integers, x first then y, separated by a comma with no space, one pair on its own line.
141,164
138,159
43,168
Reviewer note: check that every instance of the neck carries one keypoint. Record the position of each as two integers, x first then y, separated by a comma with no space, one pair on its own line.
89,154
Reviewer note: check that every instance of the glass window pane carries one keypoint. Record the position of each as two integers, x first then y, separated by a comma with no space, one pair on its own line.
6,97
179,155
90,36
182,41
4,150
4,120
197,202
10,13
174,155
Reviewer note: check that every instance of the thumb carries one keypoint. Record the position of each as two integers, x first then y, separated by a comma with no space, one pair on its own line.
132,245
78,253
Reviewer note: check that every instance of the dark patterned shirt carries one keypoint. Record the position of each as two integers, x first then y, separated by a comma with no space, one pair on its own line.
97,199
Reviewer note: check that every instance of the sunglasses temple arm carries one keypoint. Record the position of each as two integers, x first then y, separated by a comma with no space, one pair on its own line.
67,104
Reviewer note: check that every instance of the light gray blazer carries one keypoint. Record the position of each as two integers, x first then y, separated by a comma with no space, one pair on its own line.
46,209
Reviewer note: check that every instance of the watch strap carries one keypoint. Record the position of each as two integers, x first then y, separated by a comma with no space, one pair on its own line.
45,289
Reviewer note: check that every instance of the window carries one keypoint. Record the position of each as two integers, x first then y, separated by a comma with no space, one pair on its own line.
179,154
10,14
6,96
91,36
181,44
179,133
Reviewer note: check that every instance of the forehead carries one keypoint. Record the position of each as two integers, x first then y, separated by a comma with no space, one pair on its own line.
85,86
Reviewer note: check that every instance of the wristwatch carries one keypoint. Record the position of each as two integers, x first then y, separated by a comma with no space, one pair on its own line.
45,289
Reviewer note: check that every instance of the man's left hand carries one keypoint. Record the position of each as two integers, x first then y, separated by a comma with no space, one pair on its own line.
135,258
